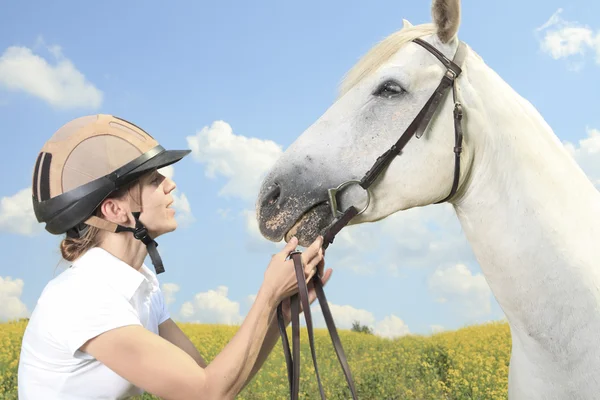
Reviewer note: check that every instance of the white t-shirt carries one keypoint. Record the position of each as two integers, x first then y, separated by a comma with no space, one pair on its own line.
97,293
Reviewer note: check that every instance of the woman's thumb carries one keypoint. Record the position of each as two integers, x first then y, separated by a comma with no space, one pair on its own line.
289,247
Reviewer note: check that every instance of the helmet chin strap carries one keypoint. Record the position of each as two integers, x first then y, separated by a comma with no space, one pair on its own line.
141,233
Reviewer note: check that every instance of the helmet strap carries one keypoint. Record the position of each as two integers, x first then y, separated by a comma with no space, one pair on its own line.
141,233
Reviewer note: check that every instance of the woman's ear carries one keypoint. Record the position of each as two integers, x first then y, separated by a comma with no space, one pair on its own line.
115,210
446,17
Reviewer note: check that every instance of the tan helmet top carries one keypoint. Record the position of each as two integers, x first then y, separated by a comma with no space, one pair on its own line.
85,149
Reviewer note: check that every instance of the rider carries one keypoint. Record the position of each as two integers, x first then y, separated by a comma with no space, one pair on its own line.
101,329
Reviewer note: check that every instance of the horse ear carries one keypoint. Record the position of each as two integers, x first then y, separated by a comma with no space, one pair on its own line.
406,24
446,16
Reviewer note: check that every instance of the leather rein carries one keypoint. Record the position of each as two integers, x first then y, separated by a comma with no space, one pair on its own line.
416,128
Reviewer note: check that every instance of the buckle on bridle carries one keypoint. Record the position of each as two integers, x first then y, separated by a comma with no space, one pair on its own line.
450,74
458,110
333,200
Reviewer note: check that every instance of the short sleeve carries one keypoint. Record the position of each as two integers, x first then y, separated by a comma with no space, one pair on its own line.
160,306
96,314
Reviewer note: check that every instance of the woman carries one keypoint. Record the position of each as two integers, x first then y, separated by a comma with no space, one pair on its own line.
101,328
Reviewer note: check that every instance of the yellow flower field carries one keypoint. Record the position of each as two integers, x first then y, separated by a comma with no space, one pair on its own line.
470,363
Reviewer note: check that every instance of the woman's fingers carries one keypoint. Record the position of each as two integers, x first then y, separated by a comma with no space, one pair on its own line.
289,247
321,266
312,251
311,267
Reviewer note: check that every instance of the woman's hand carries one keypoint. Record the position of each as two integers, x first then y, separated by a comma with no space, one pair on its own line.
280,276
312,294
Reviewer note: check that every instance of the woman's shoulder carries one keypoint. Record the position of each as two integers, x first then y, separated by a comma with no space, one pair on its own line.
80,286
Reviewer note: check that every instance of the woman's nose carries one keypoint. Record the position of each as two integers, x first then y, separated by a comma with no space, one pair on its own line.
169,185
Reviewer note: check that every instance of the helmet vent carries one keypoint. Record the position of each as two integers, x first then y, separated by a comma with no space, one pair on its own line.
45,177
127,130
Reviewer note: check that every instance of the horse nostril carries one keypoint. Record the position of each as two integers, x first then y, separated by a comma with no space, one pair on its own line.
273,195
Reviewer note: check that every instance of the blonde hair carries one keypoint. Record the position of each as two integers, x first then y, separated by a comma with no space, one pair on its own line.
73,248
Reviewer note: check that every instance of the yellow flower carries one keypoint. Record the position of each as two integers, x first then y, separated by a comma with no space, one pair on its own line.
467,363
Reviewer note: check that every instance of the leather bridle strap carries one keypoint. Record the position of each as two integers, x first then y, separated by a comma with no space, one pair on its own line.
293,362
459,58
337,226
421,121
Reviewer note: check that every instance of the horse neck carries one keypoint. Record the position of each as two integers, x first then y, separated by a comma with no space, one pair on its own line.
529,212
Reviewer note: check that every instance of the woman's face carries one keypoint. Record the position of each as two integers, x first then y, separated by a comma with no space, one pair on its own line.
157,213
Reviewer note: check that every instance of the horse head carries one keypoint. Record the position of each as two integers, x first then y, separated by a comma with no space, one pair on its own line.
378,99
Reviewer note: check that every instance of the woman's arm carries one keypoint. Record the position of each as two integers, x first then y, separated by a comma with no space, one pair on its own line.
170,331
161,368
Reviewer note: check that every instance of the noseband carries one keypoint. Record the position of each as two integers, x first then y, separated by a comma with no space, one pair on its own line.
341,219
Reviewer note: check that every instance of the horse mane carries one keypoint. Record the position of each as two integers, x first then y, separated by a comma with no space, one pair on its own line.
382,52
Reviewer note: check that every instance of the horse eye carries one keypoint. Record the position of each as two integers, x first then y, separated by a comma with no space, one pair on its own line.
389,89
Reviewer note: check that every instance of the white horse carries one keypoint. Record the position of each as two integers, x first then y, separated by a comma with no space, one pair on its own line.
529,212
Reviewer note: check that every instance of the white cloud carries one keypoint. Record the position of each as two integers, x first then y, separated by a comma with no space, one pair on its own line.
471,292
255,242
212,307
344,316
60,84
437,328
424,237
16,214
251,298
563,39
183,210
225,213
391,327
427,236
181,204
11,306
587,154
169,290
242,161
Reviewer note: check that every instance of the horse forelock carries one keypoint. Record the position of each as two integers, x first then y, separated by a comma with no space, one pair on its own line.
382,52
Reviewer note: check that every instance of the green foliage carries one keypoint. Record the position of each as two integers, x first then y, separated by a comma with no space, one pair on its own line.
357,327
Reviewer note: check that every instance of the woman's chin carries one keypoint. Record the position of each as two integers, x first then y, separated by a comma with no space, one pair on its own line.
169,226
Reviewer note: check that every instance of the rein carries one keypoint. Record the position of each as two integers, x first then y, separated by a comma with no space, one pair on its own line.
416,128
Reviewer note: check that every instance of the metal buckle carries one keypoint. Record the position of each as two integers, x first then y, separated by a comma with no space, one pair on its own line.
458,110
140,233
333,201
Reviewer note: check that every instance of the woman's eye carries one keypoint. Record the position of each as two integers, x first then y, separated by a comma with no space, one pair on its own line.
389,89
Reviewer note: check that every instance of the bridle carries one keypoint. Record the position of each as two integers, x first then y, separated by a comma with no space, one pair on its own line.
341,219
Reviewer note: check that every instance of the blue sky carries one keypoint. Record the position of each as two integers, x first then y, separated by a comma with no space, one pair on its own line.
240,81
